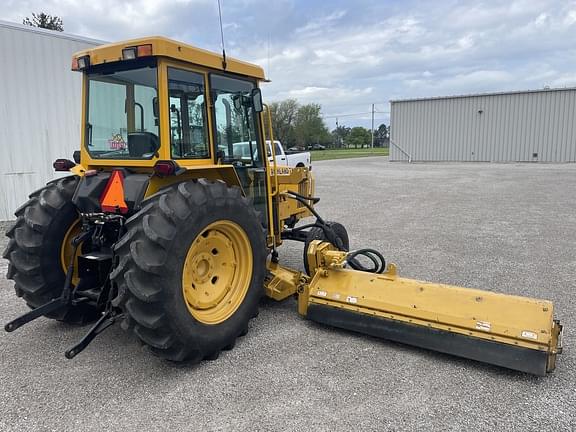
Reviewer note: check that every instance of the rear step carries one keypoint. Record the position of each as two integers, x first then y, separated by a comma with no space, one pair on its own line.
513,332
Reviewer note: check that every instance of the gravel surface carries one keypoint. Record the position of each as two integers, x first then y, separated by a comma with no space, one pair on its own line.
504,227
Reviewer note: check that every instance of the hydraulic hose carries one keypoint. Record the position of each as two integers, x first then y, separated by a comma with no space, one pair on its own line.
378,261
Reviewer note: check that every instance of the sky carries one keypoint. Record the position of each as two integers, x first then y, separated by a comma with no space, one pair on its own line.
348,55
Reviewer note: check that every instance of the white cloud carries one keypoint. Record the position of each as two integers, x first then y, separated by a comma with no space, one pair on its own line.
346,55
564,80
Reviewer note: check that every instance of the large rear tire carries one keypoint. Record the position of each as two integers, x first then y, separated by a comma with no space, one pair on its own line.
191,270
38,242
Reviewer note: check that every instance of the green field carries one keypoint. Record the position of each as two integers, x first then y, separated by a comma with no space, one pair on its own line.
318,155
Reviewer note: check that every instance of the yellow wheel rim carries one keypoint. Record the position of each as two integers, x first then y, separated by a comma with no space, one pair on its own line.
67,250
217,272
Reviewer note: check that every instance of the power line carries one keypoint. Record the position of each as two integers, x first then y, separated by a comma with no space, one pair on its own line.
353,114
359,104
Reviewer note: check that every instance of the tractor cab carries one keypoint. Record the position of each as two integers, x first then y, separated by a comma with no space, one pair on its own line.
156,105
155,99
159,107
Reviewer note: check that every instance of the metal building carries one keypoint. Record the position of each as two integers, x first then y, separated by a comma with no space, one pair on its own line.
39,109
524,126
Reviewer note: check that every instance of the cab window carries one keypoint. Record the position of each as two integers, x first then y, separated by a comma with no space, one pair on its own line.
187,105
235,120
236,134
120,120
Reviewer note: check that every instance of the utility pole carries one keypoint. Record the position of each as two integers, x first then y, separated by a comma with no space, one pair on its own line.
372,142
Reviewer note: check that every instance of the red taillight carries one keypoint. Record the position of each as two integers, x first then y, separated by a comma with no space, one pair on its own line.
80,63
144,50
165,168
112,199
63,165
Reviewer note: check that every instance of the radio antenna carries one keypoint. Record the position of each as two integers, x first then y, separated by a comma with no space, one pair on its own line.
222,36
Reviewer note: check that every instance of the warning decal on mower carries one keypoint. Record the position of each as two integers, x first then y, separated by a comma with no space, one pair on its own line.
529,335
483,325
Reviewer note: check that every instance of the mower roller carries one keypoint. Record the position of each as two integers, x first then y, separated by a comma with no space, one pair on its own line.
171,217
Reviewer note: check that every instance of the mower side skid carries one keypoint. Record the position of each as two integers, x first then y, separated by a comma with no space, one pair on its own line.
509,331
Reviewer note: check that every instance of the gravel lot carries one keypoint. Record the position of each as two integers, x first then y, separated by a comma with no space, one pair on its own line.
504,227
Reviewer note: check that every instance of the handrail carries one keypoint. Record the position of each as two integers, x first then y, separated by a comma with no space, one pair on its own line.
272,147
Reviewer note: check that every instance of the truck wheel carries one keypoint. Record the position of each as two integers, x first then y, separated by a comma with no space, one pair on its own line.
317,233
40,249
191,270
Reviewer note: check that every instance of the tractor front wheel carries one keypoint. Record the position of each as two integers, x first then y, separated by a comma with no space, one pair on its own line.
191,267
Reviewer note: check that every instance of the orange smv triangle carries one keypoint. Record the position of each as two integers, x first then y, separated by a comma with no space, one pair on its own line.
112,199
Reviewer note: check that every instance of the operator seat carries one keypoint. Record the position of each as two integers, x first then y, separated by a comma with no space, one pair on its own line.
141,143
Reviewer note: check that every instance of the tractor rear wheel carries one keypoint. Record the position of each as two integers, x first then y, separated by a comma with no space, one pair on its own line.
40,249
317,233
191,270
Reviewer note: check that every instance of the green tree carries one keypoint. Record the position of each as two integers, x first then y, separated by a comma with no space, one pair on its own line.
309,126
358,137
339,136
283,118
381,136
45,21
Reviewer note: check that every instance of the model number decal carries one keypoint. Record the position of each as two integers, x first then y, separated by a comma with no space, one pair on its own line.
281,171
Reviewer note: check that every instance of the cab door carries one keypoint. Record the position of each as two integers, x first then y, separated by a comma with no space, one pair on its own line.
237,138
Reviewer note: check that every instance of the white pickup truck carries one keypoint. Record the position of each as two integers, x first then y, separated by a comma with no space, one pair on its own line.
292,159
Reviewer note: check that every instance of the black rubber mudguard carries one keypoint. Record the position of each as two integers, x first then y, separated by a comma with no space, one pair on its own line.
90,189
496,353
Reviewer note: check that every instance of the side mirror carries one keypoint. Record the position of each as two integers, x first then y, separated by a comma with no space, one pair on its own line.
155,110
257,100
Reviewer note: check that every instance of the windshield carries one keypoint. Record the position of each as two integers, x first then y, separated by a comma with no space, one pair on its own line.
122,113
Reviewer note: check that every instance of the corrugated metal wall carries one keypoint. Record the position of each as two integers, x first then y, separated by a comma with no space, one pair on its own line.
507,127
39,109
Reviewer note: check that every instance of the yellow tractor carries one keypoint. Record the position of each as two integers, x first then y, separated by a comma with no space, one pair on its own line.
173,213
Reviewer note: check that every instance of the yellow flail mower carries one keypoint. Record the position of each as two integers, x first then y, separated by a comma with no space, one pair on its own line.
171,219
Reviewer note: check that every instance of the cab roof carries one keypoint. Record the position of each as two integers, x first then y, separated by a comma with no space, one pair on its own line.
164,47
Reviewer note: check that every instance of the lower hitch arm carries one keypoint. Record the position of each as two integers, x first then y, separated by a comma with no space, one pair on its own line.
51,306
57,303
105,321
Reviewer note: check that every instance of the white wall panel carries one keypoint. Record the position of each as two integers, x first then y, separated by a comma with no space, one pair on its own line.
499,127
39,108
